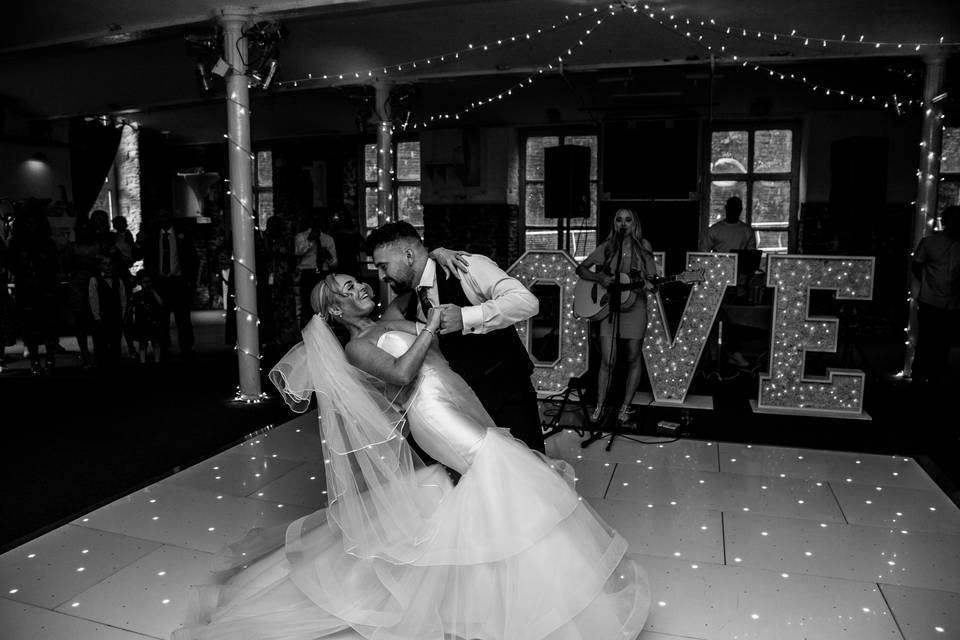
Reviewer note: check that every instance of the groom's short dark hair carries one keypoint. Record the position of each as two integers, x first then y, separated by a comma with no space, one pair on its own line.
390,233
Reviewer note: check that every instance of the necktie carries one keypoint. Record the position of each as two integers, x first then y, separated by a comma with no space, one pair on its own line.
425,305
165,254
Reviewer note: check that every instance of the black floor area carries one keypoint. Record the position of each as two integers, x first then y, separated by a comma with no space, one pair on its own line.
79,438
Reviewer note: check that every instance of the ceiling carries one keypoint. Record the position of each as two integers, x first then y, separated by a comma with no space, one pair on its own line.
61,58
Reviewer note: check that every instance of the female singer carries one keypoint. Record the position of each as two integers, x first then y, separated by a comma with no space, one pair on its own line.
624,251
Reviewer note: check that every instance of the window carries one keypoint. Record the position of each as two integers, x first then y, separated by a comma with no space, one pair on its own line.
263,186
406,185
948,192
541,232
759,165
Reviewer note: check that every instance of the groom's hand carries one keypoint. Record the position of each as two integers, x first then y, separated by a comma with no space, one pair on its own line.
451,319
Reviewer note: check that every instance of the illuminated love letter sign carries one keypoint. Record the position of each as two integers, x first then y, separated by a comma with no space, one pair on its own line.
671,362
559,269
794,333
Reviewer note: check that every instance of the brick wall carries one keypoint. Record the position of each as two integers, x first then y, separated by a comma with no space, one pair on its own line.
489,229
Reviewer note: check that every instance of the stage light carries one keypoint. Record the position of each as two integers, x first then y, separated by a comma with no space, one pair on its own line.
203,76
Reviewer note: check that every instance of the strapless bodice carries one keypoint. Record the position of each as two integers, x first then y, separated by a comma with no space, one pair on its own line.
446,418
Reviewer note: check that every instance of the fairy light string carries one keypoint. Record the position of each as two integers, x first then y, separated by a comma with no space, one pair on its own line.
444,58
241,311
688,30
555,63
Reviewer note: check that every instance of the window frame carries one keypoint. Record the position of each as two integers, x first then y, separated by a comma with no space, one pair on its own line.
259,189
594,183
947,177
751,176
395,181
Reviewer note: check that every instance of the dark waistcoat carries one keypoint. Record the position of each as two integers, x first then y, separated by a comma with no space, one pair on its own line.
478,357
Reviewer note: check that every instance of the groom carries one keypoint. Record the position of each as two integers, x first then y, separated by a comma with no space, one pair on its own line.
477,335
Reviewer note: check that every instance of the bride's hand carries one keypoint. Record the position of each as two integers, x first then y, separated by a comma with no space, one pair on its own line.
451,261
433,321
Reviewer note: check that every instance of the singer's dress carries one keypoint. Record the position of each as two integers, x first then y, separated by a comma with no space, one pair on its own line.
514,552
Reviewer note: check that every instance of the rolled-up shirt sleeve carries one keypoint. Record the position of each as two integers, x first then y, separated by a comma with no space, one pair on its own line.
499,300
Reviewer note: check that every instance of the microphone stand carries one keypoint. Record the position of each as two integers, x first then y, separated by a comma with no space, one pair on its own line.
613,293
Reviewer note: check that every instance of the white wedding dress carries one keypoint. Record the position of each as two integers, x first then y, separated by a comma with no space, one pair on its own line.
509,552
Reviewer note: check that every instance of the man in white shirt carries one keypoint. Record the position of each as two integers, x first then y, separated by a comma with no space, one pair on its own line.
477,335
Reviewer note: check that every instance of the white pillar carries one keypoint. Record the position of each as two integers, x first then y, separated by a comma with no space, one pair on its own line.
928,178
384,154
242,218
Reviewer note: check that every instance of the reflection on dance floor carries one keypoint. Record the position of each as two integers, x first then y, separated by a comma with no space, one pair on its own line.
740,541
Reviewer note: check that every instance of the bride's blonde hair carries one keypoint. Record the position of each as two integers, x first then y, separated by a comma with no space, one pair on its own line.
323,295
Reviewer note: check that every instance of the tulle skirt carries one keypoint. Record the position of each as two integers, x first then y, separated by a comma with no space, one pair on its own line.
513,553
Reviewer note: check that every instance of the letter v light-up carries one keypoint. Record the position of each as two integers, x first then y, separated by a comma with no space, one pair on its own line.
671,362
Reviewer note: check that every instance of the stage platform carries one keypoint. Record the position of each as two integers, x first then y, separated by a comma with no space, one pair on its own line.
739,540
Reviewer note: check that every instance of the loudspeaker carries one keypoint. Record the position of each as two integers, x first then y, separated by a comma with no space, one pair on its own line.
566,182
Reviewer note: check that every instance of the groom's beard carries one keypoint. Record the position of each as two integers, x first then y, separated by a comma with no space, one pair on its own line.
398,287
403,283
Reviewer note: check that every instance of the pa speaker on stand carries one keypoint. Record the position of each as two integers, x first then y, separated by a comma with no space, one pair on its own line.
566,187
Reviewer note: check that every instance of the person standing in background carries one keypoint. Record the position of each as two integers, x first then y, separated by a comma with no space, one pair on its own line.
35,265
349,243
170,257
5,305
936,264
731,234
316,255
108,305
280,267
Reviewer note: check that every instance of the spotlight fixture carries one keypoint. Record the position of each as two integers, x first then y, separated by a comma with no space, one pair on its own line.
264,40
205,49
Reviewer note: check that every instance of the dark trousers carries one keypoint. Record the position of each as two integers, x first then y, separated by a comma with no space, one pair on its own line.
175,293
512,403
936,330
106,342
37,311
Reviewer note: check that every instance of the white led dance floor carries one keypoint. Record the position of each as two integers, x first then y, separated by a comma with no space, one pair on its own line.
740,541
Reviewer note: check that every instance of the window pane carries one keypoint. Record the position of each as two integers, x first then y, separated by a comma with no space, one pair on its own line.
409,207
545,240
950,162
264,207
586,141
772,240
535,145
533,204
265,169
408,161
370,199
771,203
728,151
582,243
370,162
719,192
948,194
772,150
592,220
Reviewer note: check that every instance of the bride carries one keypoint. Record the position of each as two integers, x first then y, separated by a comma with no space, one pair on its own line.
401,552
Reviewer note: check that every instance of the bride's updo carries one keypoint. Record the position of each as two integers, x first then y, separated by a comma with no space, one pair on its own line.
323,295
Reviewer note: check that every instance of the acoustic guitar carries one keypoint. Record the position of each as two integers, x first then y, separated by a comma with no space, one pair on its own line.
591,300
